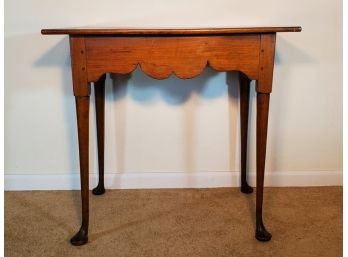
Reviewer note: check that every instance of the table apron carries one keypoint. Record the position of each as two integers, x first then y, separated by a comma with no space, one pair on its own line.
161,57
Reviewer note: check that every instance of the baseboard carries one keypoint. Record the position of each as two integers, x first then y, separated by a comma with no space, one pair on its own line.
171,180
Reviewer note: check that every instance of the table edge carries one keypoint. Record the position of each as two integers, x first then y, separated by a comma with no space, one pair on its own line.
166,31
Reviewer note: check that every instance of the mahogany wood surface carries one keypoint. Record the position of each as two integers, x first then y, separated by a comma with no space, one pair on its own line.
82,112
161,53
261,139
160,57
244,95
99,97
267,52
78,66
166,31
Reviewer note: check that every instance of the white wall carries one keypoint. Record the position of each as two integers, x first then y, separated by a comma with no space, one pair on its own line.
173,129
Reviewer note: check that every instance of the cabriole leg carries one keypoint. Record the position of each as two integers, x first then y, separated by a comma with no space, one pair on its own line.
82,111
261,138
99,92
244,89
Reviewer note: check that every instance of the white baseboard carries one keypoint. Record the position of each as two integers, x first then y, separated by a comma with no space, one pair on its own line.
171,180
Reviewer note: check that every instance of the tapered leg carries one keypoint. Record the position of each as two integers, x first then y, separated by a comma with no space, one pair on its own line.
82,110
261,138
99,92
244,88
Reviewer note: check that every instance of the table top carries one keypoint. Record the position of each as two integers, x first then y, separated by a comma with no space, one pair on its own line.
166,31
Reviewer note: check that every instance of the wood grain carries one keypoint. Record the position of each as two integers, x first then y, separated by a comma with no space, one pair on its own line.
261,232
82,112
267,53
160,57
81,86
166,31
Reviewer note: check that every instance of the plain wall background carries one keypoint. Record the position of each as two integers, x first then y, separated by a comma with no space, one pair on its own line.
168,126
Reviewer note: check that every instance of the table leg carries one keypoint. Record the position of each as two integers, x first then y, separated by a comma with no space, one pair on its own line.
99,92
261,138
82,111
244,89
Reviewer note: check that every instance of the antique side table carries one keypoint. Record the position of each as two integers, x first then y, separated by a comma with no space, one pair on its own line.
161,53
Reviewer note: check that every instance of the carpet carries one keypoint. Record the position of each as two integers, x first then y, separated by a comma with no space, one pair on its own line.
176,222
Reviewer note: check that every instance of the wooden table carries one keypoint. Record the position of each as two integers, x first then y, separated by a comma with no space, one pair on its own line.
161,53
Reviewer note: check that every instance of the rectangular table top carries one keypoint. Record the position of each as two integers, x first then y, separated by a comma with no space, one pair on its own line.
166,31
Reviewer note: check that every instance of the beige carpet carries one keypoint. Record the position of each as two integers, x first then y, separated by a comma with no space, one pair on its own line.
176,222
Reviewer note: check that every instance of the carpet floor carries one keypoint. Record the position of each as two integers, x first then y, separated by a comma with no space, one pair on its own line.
176,222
